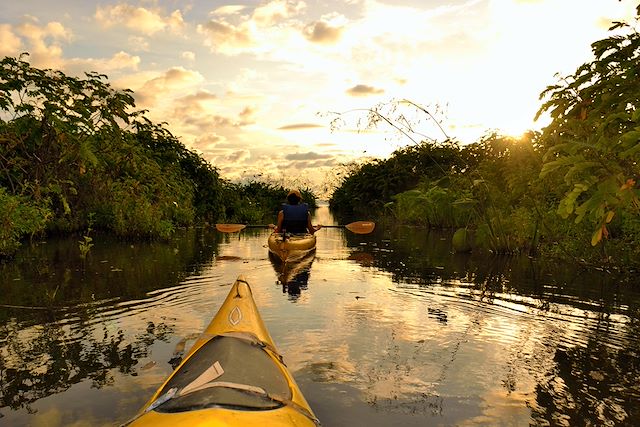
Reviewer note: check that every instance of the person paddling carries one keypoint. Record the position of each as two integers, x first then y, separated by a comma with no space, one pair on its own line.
295,216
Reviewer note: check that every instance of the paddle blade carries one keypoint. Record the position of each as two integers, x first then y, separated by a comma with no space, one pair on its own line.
230,228
361,227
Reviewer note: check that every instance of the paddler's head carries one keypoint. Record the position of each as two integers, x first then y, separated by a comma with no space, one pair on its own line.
294,196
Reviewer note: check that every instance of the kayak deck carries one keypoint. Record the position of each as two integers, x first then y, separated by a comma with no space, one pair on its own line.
232,376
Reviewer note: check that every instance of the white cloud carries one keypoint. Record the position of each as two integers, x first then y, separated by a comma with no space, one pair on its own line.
188,55
364,90
267,28
323,32
224,37
119,61
157,89
44,42
277,11
10,43
228,10
138,43
139,19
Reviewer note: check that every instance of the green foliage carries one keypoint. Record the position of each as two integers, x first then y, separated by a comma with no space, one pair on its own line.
77,146
508,231
518,192
594,137
368,187
19,218
86,244
491,185
81,152
462,240
434,204
503,176
257,202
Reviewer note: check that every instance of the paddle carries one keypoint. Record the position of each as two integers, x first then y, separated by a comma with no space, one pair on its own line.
358,227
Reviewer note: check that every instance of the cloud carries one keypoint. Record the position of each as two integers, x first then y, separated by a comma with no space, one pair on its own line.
299,126
208,122
138,19
208,141
312,164
10,43
43,42
246,116
322,32
307,156
198,113
267,28
188,55
228,10
166,85
238,156
119,61
364,90
198,97
276,11
138,43
222,36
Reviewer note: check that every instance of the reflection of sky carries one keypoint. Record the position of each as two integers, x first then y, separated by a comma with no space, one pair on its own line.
437,352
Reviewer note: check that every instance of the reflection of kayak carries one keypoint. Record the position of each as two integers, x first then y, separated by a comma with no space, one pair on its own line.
232,376
294,247
293,276
288,271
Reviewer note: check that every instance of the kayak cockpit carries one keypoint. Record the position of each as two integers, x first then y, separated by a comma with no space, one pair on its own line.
230,372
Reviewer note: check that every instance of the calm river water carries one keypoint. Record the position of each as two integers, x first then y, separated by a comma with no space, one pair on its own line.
387,329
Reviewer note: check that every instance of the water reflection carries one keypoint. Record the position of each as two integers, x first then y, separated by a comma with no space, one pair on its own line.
39,362
293,276
391,328
66,321
585,361
594,383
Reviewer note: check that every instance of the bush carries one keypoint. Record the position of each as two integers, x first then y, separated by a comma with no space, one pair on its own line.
19,218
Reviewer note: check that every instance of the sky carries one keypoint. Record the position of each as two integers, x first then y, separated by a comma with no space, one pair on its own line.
255,86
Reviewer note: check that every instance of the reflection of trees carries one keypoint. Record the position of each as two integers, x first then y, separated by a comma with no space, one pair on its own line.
424,257
52,360
592,385
51,274
52,332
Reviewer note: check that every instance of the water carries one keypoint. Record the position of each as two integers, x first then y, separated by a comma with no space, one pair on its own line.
379,330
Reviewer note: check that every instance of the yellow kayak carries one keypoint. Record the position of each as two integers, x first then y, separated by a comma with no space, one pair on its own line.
232,376
293,247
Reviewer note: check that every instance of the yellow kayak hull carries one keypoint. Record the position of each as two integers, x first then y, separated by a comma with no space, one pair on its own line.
293,248
237,319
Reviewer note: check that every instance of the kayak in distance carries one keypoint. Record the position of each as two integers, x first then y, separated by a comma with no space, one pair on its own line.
232,376
291,247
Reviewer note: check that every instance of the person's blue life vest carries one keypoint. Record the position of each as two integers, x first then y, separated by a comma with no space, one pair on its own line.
295,218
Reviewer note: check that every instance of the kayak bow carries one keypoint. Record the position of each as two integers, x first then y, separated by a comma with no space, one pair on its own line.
232,376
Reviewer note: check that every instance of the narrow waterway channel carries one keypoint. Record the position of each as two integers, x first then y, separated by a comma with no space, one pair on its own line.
384,329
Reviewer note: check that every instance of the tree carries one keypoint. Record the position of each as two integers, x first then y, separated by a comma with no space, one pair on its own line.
594,136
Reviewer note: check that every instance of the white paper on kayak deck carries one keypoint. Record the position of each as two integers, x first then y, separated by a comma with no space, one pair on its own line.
213,372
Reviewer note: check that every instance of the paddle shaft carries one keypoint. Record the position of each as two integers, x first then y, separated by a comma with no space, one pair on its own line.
267,226
358,227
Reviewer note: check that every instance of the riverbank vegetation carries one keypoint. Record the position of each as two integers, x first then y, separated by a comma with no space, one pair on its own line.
570,190
75,153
